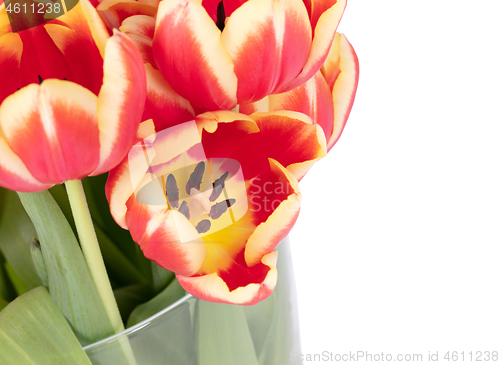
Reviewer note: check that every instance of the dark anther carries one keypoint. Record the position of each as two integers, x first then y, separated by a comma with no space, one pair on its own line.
220,208
65,79
218,186
195,178
221,16
40,80
172,191
184,209
203,226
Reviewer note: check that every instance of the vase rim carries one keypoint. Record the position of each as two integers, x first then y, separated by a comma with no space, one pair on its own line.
140,325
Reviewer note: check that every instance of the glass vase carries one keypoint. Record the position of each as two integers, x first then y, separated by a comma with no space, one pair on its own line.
196,332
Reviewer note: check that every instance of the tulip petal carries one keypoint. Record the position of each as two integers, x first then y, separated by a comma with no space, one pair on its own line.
268,42
120,102
312,98
82,56
114,12
53,129
288,137
324,33
11,48
41,57
190,56
341,71
230,127
140,29
163,104
13,172
92,23
275,198
157,230
213,288
118,189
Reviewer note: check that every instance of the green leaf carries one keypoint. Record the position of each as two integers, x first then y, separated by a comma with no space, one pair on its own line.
14,279
7,291
168,296
99,209
3,303
273,321
16,233
34,332
70,283
161,277
223,336
120,269
130,297
37,257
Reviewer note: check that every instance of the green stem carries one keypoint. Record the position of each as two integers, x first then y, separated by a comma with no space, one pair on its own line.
92,252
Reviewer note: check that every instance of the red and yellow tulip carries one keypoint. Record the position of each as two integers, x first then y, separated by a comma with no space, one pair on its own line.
211,199
265,47
65,111
327,97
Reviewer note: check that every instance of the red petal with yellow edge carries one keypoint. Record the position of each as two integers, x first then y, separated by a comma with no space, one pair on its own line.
213,288
118,190
312,98
324,33
230,6
275,204
223,132
53,129
82,56
13,172
163,104
140,28
190,56
119,183
287,137
41,57
90,24
341,72
11,48
156,229
268,41
120,102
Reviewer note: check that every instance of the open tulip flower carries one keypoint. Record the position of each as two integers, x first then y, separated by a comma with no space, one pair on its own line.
62,118
211,199
327,97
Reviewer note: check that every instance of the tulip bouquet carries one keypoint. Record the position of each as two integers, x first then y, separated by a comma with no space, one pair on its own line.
150,149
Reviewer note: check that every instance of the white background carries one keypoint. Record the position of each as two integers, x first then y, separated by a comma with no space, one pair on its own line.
397,247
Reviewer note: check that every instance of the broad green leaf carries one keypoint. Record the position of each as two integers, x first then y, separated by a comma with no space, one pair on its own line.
16,233
120,269
38,262
15,280
161,277
168,296
70,283
223,336
34,332
130,297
